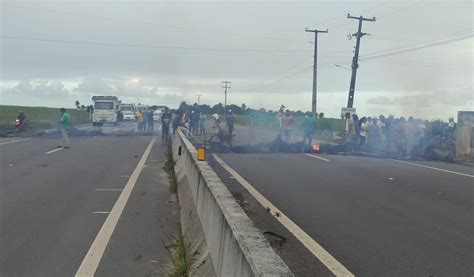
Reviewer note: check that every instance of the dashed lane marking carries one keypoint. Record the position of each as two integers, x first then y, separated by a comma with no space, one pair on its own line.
100,212
94,255
14,141
54,150
435,168
318,157
316,249
108,189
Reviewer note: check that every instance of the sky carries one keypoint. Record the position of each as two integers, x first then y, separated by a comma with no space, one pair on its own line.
416,59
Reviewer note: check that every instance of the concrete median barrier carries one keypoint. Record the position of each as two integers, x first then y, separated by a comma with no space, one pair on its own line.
222,240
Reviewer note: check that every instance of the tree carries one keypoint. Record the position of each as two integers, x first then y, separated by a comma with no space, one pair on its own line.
184,107
218,108
83,107
78,105
282,107
243,107
236,109
321,115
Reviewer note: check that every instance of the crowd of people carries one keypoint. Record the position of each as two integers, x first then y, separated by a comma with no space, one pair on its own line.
400,137
145,120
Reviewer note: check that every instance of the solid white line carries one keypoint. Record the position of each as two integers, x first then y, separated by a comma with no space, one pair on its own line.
318,251
94,255
317,157
101,212
435,168
108,189
14,141
55,150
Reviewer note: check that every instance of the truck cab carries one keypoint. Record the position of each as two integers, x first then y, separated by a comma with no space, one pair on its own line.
105,110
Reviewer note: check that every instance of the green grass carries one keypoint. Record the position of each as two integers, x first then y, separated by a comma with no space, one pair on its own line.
180,259
37,118
41,114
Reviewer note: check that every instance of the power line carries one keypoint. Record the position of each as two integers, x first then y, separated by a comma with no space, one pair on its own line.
125,20
401,9
389,52
154,46
430,65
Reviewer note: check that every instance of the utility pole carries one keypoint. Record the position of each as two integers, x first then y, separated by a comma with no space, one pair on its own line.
315,69
226,85
355,60
199,98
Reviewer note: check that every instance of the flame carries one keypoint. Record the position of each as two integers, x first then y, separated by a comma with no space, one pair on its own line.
315,147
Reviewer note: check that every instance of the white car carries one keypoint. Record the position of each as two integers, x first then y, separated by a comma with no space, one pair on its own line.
128,116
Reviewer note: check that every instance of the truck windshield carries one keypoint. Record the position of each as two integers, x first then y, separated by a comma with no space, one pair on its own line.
104,106
126,109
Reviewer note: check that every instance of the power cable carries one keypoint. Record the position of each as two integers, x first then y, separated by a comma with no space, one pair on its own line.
154,46
391,52
124,20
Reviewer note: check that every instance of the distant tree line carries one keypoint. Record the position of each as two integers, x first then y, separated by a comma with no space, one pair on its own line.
239,110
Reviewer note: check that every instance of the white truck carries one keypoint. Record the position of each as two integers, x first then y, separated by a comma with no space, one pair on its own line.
105,110
128,111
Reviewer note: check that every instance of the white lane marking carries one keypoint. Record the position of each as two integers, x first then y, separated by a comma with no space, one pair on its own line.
435,168
55,150
318,157
124,176
318,251
108,189
94,255
101,212
14,141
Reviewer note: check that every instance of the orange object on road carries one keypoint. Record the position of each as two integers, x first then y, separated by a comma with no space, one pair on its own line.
201,154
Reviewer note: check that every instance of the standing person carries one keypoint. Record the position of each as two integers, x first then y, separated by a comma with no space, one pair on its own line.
230,122
176,121
139,119
202,124
145,120
349,133
364,126
355,118
151,121
65,122
165,125
309,126
287,126
412,134
279,117
450,130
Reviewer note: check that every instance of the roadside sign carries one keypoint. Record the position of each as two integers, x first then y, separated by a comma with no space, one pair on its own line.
345,110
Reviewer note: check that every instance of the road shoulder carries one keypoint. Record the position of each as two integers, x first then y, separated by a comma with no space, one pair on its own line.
139,245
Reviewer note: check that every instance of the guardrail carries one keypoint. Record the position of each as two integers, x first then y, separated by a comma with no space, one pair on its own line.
234,245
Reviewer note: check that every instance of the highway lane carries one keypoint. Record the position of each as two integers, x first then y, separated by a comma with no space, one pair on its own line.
378,217
48,201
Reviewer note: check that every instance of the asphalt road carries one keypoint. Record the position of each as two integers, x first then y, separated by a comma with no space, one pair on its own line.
377,217
53,204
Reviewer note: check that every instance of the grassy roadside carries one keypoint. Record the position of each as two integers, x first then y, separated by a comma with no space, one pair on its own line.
179,253
179,257
37,118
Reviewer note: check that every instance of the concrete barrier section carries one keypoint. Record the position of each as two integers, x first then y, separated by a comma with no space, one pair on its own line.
216,229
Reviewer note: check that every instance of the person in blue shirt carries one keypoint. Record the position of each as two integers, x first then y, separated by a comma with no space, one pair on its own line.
309,126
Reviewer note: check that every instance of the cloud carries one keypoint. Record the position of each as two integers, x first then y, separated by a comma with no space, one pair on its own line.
37,88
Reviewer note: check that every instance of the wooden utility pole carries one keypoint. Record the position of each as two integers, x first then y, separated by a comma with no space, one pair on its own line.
355,60
226,85
315,70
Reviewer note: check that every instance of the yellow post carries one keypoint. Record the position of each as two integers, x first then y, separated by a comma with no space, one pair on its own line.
201,154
